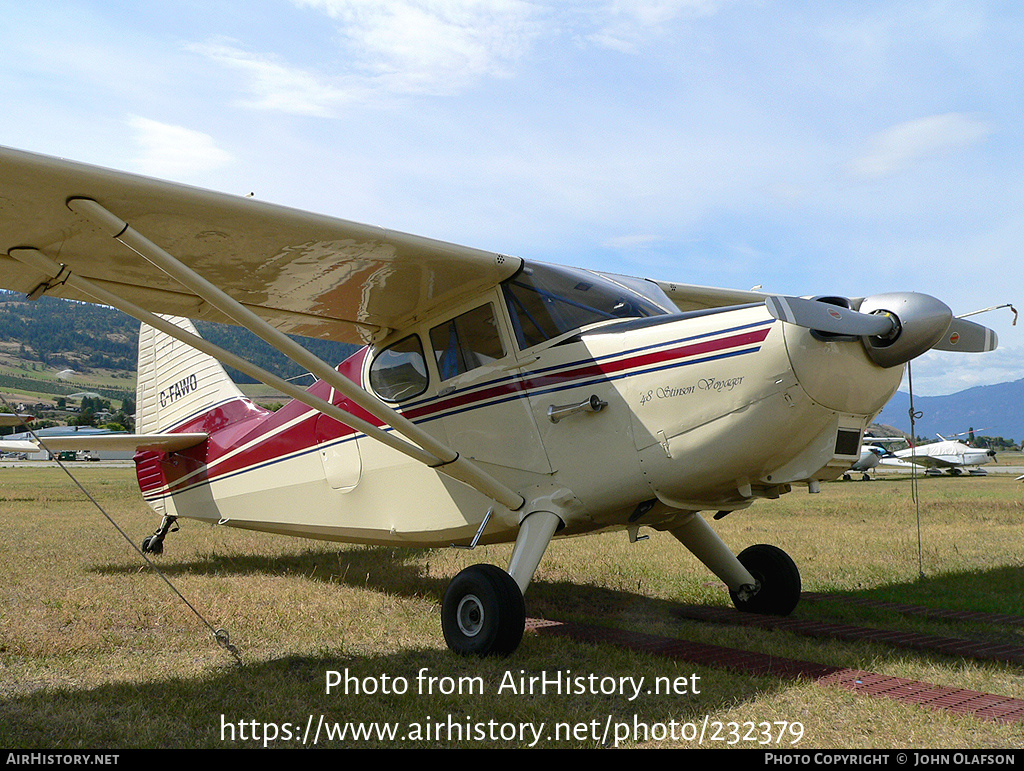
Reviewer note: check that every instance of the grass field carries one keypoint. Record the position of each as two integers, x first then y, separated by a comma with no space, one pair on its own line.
96,651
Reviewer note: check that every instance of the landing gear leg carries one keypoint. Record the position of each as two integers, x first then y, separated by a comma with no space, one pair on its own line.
483,612
763,579
154,544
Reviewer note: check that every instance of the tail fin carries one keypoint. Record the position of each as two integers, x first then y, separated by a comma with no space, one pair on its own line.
175,381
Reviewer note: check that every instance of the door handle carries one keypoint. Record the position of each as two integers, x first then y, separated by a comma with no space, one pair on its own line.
593,404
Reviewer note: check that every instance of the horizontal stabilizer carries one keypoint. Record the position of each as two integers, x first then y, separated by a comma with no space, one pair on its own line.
107,442
18,445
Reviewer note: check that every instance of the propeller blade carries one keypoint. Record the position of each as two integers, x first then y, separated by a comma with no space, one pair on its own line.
825,317
966,336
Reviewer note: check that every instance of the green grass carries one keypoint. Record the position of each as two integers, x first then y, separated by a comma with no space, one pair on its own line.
97,652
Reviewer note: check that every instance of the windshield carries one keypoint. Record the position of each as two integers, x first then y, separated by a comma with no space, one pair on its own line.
546,301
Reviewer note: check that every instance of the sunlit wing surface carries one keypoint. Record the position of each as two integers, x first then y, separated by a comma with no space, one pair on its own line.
306,274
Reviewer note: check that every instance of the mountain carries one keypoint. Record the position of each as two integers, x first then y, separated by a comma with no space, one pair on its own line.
993,410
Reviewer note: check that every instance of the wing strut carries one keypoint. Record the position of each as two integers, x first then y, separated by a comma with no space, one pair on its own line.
45,265
429,450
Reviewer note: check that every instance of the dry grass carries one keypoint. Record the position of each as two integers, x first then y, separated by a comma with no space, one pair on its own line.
96,650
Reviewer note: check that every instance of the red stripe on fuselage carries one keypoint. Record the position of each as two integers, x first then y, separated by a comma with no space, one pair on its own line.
303,435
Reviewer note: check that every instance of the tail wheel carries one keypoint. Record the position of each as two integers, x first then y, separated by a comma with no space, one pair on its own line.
483,612
778,578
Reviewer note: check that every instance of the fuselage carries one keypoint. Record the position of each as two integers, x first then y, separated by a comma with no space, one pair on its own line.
632,421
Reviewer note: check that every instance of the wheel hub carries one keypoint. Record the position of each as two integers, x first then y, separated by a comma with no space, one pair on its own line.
470,615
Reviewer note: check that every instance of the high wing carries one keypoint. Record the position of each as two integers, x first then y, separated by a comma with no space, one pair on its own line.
904,458
155,249
306,274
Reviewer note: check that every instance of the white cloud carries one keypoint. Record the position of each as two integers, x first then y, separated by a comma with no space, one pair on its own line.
937,372
277,85
402,47
168,150
906,144
432,46
624,24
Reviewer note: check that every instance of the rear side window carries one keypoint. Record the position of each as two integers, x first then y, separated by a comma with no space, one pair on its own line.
399,372
466,342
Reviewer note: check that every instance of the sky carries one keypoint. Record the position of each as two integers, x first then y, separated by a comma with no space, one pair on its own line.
808,148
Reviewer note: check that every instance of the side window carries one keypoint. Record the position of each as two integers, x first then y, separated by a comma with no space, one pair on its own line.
466,342
545,301
399,372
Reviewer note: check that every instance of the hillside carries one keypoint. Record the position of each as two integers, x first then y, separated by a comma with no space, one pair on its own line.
51,349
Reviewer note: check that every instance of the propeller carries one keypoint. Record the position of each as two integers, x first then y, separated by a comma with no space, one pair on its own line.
895,327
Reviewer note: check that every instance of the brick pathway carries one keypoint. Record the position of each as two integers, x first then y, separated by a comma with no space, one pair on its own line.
956,700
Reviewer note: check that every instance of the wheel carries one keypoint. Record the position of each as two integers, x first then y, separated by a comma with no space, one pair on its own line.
483,612
778,577
152,545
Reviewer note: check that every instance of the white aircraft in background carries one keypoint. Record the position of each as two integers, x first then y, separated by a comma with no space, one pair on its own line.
949,455
872,450
870,456
497,399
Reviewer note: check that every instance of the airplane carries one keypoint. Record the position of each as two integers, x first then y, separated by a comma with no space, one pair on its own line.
496,399
949,455
872,451
870,456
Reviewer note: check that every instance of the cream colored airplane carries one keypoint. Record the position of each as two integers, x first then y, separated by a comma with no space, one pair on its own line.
496,400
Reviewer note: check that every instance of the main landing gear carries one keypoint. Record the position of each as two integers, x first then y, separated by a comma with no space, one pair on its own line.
483,612
778,581
762,579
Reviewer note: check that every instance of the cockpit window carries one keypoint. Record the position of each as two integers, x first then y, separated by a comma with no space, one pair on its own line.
546,301
466,342
399,372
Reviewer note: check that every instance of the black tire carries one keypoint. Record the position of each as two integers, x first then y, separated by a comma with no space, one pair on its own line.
483,612
779,579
